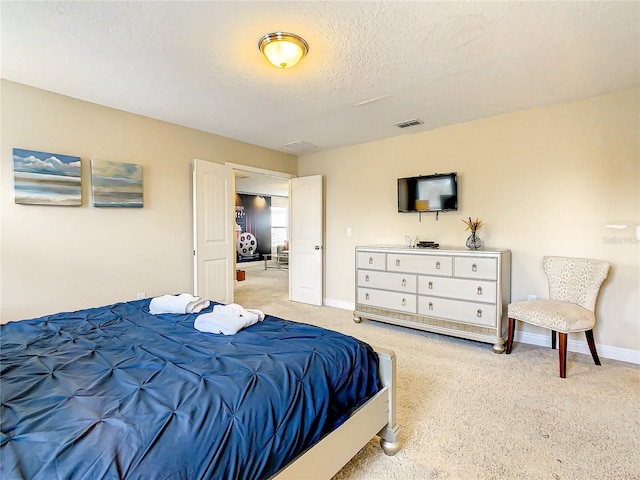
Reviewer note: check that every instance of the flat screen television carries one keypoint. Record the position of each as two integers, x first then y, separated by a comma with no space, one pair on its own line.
428,193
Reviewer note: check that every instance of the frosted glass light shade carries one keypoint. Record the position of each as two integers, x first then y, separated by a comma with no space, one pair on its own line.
284,50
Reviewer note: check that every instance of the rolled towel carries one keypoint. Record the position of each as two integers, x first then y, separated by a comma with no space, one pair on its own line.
173,303
257,312
227,319
197,305
231,310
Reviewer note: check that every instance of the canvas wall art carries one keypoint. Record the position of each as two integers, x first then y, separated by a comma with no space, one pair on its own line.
116,184
42,178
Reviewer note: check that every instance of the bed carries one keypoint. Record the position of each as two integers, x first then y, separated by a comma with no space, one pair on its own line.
115,392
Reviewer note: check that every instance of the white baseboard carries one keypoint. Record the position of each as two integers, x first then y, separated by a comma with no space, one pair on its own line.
329,302
604,351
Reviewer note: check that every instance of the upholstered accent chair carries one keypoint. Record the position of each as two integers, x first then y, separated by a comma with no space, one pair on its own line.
574,285
282,256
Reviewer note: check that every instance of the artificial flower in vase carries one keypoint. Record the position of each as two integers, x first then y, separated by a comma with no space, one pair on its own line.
473,242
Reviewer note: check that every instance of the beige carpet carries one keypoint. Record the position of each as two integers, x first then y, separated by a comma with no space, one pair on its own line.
467,413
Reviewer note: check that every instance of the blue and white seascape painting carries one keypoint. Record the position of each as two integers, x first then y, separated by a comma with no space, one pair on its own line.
42,178
116,184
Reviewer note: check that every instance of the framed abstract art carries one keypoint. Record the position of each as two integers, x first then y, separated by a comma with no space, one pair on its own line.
116,184
42,178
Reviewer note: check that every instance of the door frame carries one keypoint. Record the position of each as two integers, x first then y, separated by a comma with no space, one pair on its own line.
237,167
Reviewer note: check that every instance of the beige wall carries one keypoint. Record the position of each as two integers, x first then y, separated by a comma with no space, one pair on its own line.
544,181
66,258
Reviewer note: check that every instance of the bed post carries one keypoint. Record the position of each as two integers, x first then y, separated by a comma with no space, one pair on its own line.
387,372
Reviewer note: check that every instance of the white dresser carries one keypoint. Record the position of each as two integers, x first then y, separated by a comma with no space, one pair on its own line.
464,293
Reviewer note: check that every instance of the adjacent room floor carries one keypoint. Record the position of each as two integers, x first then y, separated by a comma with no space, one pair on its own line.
260,285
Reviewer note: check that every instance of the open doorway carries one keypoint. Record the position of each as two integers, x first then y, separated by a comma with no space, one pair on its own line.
262,236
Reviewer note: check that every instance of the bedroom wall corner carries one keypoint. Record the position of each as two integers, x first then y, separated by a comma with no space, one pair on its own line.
56,258
545,181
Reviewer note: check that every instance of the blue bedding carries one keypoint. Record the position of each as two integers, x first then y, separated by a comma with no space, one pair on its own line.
115,392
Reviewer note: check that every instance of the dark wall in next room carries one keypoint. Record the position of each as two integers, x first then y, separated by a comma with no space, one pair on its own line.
253,226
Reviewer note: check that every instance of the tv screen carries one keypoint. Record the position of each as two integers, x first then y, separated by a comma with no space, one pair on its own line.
428,193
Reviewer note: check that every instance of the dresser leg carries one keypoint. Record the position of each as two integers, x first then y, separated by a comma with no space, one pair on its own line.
499,346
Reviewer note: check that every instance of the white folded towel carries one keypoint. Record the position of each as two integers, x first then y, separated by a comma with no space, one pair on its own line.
197,305
235,310
259,313
227,319
183,303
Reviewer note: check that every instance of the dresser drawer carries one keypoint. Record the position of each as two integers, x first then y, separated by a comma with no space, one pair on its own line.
430,264
474,290
399,282
457,310
389,300
475,267
372,261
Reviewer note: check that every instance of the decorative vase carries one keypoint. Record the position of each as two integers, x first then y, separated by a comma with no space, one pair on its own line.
474,242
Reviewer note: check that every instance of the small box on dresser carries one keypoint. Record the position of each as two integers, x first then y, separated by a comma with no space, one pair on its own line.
456,292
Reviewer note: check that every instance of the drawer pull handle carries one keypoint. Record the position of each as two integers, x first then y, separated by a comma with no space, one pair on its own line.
397,262
370,260
430,305
474,268
431,285
437,265
404,302
366,278
479,290
404,282
479,313
366,296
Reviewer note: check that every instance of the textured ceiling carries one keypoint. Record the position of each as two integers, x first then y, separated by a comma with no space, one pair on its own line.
197,63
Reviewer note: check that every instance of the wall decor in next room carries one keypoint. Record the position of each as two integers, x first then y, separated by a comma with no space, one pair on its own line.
42,178
116,184
253,227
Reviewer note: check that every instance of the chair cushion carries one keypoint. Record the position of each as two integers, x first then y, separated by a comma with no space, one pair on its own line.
555,315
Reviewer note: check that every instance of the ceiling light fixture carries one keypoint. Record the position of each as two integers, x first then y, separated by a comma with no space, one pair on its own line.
284,50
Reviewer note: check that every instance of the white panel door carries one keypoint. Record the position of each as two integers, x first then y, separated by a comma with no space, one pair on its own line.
214,229
305,249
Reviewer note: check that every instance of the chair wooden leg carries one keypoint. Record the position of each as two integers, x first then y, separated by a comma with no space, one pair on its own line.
562,352
592,346
553,339
512,329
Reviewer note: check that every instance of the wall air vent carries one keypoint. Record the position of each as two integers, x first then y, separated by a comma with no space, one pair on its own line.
409,123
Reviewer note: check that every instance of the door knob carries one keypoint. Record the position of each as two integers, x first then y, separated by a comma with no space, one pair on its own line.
317,247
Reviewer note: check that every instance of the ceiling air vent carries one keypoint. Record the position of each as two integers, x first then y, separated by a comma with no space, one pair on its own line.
300,145
409,123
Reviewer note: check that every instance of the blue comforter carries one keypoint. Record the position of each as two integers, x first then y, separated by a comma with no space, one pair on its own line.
115,392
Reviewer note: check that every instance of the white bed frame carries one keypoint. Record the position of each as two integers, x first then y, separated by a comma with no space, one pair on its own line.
376,417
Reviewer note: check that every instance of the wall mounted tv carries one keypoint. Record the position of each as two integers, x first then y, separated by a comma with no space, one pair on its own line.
428,193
